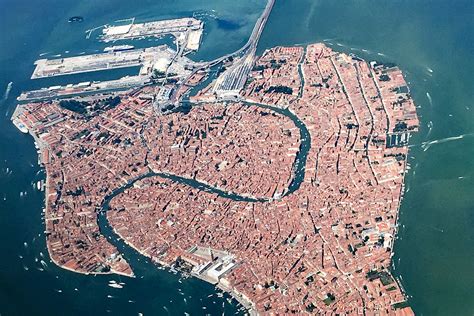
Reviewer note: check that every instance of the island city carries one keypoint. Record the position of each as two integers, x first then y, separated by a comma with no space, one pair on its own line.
279,179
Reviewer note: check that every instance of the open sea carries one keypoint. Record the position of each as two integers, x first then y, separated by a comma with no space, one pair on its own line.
431,40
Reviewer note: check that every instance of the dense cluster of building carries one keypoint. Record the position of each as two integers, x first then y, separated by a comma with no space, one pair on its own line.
323,249
238,148
88,157
85,159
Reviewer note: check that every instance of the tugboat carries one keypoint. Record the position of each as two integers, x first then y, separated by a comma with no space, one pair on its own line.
75,19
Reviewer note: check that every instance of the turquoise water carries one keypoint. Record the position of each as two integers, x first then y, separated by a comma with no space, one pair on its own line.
28,29
436,244
432,41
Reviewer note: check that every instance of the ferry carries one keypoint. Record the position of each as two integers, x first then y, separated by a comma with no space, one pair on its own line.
110,49
116,285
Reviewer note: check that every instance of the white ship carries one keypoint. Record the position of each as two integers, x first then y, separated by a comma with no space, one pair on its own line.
22,127
110,49
116,285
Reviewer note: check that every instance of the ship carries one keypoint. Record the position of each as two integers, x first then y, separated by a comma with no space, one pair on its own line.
116,285
7,91
118,48
22,127
75,19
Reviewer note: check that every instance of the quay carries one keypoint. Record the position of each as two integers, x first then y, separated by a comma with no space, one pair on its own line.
187,30
146,58
70,90
158,64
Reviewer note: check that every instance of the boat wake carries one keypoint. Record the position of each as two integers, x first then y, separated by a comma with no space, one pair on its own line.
7,91
430,128
427,145
429,98
6,95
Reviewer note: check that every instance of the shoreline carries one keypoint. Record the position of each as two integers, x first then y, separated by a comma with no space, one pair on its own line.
239,297
247,304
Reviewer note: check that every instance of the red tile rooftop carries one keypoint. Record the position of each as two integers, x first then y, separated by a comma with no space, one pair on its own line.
324,249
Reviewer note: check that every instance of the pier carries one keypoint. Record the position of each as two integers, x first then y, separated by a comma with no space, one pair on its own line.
146,58
188,31
157,63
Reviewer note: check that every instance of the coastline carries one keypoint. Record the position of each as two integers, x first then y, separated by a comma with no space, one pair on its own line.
234,293
247,304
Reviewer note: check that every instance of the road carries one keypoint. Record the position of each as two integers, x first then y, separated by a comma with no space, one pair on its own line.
253,39
241,67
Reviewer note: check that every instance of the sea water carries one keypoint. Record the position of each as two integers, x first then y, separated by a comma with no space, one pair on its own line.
432,42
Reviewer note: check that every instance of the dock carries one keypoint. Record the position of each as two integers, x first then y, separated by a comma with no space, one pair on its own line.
83,88
186,30
156,65
145,58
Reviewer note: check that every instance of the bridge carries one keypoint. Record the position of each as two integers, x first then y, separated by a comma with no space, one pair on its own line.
231,81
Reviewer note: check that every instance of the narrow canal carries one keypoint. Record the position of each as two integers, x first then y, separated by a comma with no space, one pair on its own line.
138,262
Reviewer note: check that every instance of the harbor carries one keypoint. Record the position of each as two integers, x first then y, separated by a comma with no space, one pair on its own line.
147,58
188,31
157,64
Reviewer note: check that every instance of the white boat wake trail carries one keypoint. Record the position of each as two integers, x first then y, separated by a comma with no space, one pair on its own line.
429,98
6,94
430,128
427,145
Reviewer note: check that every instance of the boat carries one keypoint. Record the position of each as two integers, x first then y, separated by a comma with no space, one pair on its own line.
76,18
22,127
118,48
7,91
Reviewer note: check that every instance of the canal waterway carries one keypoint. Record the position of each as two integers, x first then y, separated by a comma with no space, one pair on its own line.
298,177
305,145
433,43
27,287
